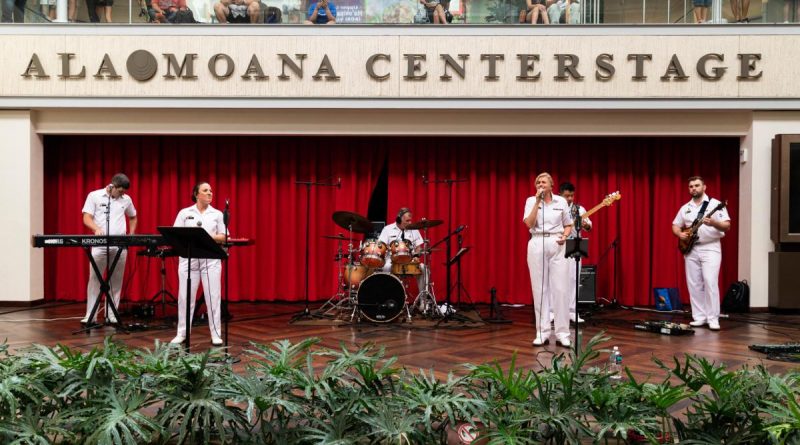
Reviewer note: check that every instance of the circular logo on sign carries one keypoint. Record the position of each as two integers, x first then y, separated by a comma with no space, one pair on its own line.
142,65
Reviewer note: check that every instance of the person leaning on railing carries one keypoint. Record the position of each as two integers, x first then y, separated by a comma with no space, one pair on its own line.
237,11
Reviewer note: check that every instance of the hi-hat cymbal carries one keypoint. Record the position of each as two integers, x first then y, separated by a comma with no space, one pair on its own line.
336,237
352,221
424,224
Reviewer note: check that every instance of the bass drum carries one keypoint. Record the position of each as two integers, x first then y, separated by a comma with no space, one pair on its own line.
381,297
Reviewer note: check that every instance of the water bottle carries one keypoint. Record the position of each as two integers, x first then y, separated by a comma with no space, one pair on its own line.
615,364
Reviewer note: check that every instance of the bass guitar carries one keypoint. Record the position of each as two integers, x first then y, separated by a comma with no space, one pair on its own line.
606,202
686,245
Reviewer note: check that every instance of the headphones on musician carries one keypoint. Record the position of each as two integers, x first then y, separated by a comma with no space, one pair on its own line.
400,213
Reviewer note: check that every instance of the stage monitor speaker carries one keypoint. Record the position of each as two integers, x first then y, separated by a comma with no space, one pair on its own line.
587,286
784,281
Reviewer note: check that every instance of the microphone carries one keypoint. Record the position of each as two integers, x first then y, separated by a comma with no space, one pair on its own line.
541,194
424,179
226,212
460,228
339,183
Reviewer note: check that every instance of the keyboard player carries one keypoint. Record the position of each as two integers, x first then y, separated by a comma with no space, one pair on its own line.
106,209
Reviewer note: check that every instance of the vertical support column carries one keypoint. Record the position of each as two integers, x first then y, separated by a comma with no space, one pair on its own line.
62,7
21,177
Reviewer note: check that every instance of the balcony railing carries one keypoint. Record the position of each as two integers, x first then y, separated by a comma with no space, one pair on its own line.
551,12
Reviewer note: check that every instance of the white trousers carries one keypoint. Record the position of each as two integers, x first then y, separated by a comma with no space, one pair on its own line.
573,278
93,288
549,280
210,273
702,278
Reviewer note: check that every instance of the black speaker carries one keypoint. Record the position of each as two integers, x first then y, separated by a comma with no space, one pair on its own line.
587,285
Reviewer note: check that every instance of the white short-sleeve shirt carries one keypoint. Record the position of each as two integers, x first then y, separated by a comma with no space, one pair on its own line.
210,220
97,204
581,211
688,213
392,232
552,218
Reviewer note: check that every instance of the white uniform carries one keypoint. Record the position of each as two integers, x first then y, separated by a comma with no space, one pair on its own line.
573,276
548,268
390,233
703,262
209,271
97,205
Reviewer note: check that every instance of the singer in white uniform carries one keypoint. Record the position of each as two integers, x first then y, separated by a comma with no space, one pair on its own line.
95,214
567,191
396,231
703,261
549,222
209,271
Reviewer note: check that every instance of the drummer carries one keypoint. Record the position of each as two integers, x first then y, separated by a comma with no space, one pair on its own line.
398,231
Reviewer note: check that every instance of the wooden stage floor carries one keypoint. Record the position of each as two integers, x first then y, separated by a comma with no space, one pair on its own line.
422,345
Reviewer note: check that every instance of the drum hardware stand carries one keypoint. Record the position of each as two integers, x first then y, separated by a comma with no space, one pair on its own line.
425,302
450,183
163,293
342,300
577,248
306,314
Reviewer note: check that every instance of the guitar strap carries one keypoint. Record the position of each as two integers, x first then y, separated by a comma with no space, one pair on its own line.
701,213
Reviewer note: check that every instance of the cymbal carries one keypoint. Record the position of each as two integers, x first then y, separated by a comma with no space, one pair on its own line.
336,237
424,224
346,219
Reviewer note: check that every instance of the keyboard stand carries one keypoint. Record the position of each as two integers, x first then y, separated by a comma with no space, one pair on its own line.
104,294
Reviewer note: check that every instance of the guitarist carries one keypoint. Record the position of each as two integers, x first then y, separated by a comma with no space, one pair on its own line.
702,262
567,191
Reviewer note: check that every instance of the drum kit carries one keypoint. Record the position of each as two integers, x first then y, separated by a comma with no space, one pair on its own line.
364,289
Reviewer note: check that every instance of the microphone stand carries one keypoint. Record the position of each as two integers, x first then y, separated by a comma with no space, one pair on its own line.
450,183
576,253
449,312
613,245
306,313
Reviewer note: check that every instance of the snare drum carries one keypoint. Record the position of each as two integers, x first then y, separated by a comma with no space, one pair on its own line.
354,274
373,253
412,268
402,251
381,297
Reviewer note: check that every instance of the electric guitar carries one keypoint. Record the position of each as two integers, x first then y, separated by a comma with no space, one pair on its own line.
686,245
606,202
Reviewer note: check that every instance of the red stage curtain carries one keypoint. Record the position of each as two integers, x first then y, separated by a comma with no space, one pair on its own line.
257,174
650,173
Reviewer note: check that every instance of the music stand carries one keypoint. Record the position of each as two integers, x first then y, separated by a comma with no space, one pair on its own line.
577,248
191,243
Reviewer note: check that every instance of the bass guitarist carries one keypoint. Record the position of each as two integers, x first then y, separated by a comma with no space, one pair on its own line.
708,220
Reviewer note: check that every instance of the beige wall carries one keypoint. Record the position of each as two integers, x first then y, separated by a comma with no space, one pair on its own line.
348,55
21,179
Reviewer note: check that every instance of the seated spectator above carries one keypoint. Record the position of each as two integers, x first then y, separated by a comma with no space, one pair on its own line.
163,11
535,9
437,14
237,11
322,12
565,11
